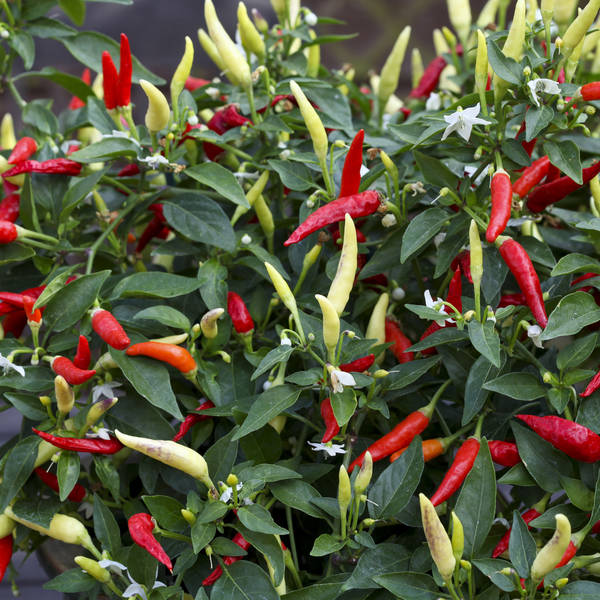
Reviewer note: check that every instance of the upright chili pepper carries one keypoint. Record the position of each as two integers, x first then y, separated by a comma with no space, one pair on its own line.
193,83
152,230
109,329
24,148
519,263
552,192
593,385
531,176
77,102
463,261
91,445
158,112
59,166
239,540
10,207
6,550
110,81
359,205
352,165
141,526
345,275
125,72
77,494
331,425
240,317
191,420
504,453
501,205
223,120
430,78
83,355
176,356
33,316
61,365
394,334
576,441
527,146
359,365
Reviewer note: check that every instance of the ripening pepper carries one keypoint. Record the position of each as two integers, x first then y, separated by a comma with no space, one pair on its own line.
181,75
341,286
550,555
158,113
438,541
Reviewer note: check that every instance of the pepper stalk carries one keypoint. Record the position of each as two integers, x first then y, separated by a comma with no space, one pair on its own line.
476,266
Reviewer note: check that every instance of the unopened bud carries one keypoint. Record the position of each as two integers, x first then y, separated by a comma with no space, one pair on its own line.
188,515
560,583
527,71
469,315
246,239
389,220
398,294
590,110
380,373
45,400
91,567
232,480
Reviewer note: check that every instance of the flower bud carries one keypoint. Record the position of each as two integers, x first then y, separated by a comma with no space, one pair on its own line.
380,373
188,515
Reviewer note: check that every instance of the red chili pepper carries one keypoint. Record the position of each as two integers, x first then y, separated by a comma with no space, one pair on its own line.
590,91
77,494
141,526
352,165
502,545
223,120
359,205
91,445
176,356
239,540
193,83
518,261
430,78
73,375
125,72
394,334
129,170
504,453
461,465
76,102
399,437
531,176
14,323
527,146
109,329
587,288
431,449
8,232
60,166
32,315
592,386
512,300
152,230
576,441
83,356
192,419
110,81
6,550
359,365
23,149
552,192
12,298
501,205
553,174
331,425
9,208
463,261
240,317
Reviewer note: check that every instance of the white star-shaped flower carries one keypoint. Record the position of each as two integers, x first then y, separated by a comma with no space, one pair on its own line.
363,170
285,341
537,86
339,379
106,390
434,102
437,306
331,449
470,171
154,161
534,332
101,432
228,493
105,563
87,508
8,365
135,588
462,122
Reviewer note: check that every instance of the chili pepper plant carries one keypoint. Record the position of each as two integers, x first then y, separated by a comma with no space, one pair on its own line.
294,332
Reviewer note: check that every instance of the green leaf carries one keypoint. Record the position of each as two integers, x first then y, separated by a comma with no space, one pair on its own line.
396,485
269,546
435,171
22,43
68,473
278,355
71,83
244,581
317,591
268,405
167,511
105,149
520,386
167,315
521,547
105,526
579,494
536,120
297,494
71,582
421,230
74,9
480,372
574,312
293,175
150,378
326,544
202,535
39,116
491,568
78,191
258,518
565,156
39,510
405,374
15,252
580,590
574,262
220,457
200,219
155,284
446,335
409,585
343,405
18,468
595,514
505,67
485,340
576,352
108,475
385,558
212,276
220,179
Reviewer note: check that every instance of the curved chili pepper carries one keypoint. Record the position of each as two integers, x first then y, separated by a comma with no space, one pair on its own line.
9,208
400,342
91,445
359,365
8,232
512,300
60,166
359,205
77,102
502,545
331,425
501,205
141,526
191,420
176,356
459,469
240,317
352,165
519,263
153,229
223,120
431,449
109,329
239,540
193,83
592,386
552,192
6,550
463,261
430,78
83,356
23,149
61,365
504,453
77,494
531,176
590,91
110,81
576,441
125,72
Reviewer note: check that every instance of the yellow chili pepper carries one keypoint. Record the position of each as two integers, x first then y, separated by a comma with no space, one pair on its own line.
476,255
249,35
98,409
7,133
439,43
549,556
313,57
158,113
390,167
344,497
188,515
417,68
209,47
341,286
591,39
265,218
182,72
208,323
481,66
458,537
285,293
390,73
438,541
251,195
547,10
563,12
361,483
331,326
281,10
488,13
595,189
7,526
65,398
579,27
532,8
91,567
260,21
45,452
376,326
573,61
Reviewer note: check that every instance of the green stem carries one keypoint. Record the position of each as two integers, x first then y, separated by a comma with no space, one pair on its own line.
250,95
18,98
326,177
290,525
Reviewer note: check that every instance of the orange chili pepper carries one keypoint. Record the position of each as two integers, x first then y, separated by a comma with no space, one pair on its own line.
176,356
